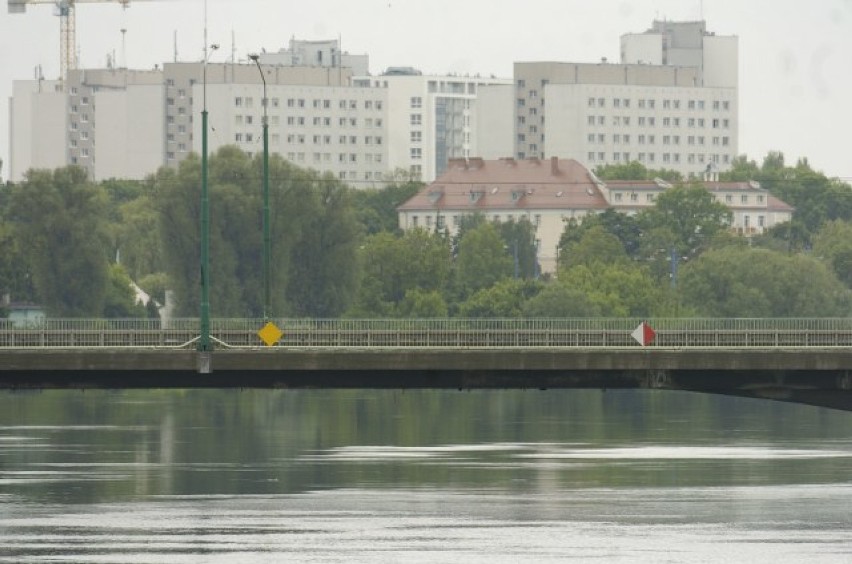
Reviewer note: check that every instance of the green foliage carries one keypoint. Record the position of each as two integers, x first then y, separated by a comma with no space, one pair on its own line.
616,290
817,199
743,282
323,271
120,300
833,244
419,303
506,298
558,299
155,285
482,260
635,171
60,215
691,214
519,239
313,235
376,208
392,265
596,246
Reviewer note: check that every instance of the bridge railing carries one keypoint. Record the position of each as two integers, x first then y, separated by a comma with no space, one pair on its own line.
421,333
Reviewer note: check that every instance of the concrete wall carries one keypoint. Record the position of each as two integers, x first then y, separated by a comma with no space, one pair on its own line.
130,143
495,124
37,126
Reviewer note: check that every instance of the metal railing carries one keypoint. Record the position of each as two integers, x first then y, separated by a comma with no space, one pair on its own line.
431,333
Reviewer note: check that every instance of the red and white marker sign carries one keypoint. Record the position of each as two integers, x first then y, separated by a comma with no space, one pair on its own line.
644,334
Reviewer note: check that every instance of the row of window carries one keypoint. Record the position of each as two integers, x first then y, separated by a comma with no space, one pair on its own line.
668,158
301,139
642,139
316,103
456,219
729,198
651,121
341,157
651,103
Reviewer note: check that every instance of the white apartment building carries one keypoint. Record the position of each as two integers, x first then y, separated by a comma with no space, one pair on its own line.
333,129
671,103
322,53
431,119
38,122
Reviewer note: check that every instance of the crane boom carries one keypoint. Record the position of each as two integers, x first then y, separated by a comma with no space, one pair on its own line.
65,9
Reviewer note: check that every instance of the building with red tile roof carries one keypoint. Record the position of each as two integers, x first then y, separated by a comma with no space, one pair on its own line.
550,192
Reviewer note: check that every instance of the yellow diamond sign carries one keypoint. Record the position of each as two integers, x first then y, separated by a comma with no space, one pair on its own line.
270,334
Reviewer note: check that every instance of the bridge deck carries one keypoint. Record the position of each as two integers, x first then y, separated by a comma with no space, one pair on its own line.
808,361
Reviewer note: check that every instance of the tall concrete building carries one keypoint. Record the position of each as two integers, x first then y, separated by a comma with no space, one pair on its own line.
128,123
671,103
431,119
38,124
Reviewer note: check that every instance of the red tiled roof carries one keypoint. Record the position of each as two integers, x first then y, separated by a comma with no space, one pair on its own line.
509,184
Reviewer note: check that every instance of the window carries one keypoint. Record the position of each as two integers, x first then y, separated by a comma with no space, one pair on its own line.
591,102
416,102
616,102
416,153
591,120
416,119
238,101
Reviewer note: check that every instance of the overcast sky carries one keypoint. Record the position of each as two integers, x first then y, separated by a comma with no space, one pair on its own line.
795,56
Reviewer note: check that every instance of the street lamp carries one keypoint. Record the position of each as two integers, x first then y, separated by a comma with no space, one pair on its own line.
204,339
266,243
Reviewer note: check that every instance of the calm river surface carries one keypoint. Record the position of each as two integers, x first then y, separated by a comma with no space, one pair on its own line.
426,476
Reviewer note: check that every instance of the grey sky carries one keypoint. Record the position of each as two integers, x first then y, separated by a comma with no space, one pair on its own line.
795,57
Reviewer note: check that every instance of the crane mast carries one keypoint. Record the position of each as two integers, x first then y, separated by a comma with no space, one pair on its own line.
66,10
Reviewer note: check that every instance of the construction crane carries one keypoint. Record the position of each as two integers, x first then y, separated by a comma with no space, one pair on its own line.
67,27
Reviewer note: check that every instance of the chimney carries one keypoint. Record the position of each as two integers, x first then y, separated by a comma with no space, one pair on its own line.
554,166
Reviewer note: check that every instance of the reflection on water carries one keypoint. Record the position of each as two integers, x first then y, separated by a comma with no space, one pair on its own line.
269,476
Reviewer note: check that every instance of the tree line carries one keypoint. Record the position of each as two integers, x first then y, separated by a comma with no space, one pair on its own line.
73,245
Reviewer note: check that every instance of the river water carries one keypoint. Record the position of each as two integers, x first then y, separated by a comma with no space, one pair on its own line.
425,476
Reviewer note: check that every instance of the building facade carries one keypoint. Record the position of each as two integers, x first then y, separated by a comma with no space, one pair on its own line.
431,119
671,103
550,192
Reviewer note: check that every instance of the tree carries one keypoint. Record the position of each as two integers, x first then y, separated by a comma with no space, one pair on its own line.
833,244
60,215
419,303
376,208
635,170
616,290
519,239
323,270
120,300
596,246
692,215
744,282
558,299
505,299
391,266
482,260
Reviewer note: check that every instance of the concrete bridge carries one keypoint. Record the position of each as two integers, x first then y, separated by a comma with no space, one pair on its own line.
805,361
